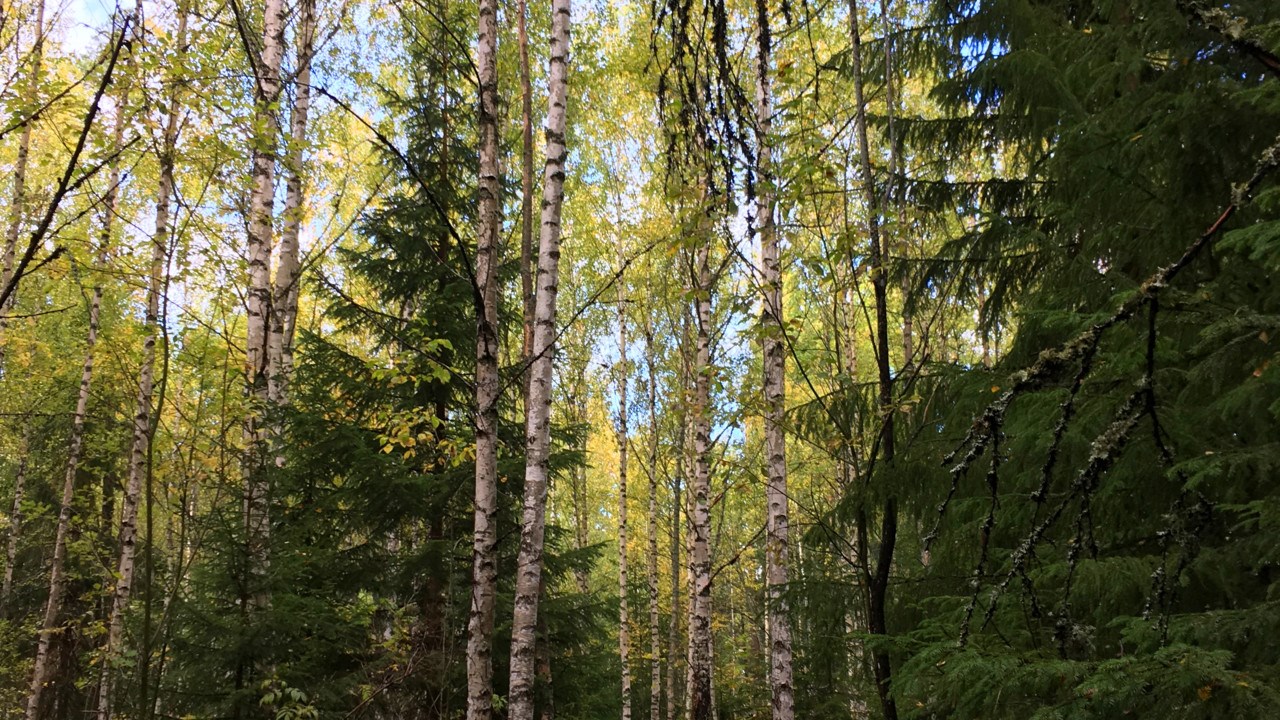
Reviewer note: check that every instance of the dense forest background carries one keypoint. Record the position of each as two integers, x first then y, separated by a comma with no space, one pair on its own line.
685,359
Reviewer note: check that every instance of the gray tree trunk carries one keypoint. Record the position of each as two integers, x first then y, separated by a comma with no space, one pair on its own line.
624,612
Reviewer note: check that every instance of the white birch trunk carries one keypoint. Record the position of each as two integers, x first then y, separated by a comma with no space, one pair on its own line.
774,362
655,635
265,137
484,578
538,409
624,612
41,669
287,284
142,422
700,651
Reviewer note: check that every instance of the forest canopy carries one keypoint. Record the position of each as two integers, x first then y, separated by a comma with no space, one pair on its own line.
690,359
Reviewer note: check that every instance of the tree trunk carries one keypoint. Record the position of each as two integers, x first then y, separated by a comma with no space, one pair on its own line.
18,201
287,284
655,633
877,577
488,383
256,501
15,519
624,612
674,700
538,410
41,670
700,650
526,185
774,362
143,425
579,480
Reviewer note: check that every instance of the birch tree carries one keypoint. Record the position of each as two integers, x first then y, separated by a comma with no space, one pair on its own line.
529,580
263,141
42,667
622,376
774,363
143,422
700,639
484,577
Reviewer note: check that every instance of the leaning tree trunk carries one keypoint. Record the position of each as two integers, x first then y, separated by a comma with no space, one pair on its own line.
700,652
143,424
876,577
287,284
42,667
256,499
15,519
774,362
484,579
624,612
538,410
655,634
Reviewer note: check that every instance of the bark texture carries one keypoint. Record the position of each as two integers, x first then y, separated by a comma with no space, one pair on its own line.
655,633
774,362
287,283
700,650
484,578
143,424
42,668
256,500
538,409
624,611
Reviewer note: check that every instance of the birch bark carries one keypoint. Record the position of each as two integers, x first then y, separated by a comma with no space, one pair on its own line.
624,612
538,409
484,579
655,635
774,362
700,651
265,137
142,421
285,289
41,669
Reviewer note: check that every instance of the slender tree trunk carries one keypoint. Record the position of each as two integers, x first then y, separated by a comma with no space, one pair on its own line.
18,201
287,284
15,520
877,576
579,480
674,701
526,184
700,649
624,612
774,362
538,410
42,668
484,579
143,424
256,500
655,632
